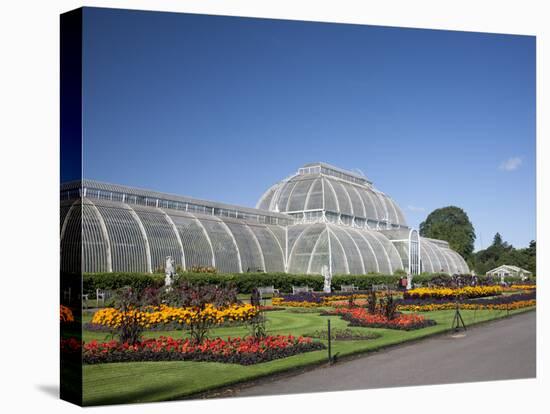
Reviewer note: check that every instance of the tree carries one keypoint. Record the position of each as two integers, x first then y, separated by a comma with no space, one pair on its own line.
501,252
452,225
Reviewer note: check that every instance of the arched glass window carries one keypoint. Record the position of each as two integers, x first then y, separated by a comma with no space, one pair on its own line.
414,253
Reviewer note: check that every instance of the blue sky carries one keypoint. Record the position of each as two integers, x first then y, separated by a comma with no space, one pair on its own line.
220,108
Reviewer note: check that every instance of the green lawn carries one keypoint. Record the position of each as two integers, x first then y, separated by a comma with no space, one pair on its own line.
157,381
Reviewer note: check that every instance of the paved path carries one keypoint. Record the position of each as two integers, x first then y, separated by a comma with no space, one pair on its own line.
495,351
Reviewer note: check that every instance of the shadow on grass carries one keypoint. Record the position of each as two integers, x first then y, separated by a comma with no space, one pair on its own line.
151,394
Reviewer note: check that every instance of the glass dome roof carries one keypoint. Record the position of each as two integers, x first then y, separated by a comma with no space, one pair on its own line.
322,187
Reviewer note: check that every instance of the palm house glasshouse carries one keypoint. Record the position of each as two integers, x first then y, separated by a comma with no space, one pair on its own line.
320,216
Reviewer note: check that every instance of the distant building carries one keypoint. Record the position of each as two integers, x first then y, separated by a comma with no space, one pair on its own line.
509,271
321,215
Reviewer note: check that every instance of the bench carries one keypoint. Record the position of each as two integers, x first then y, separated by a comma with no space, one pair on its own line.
267,290
377,288
102,295
348,288
85,298
301,289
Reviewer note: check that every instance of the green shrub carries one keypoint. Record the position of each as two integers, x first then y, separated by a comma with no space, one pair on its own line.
114,281
400,272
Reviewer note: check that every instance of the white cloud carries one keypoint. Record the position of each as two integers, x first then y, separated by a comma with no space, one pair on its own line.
511,164
415,208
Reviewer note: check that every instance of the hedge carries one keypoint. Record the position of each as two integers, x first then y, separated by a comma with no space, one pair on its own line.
113,281
244,282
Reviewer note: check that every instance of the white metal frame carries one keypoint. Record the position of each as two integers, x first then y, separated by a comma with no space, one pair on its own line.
246,225
228,230
144,234
105,233
178,238
207,238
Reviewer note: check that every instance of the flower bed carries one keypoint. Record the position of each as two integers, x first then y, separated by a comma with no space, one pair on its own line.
314,299
468,306
344,335
451,293
166,317
296,304
505,298
244,351
360,317
517,301
522,287
268,308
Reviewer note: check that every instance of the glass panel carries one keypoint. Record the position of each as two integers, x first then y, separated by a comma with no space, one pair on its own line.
352,253
227,259
272,251
71,243
94,247
284,195
338,257
330,197
315,200
319,257
369,259
195,243
303,247
128,248
297,200
343,199
161,237
251,258
356,201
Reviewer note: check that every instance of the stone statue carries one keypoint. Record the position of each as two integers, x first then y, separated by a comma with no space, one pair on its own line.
169,271
328,278
409,281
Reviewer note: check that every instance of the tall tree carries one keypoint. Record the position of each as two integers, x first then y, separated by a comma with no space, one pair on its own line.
452,225
497,240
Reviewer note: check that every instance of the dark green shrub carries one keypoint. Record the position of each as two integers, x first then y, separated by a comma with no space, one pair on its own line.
400,272
388,307
371,302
